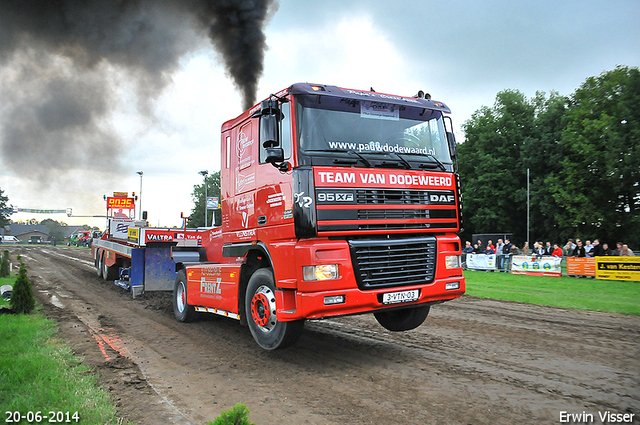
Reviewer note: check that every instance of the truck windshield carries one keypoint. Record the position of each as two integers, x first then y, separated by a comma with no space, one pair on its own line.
334,124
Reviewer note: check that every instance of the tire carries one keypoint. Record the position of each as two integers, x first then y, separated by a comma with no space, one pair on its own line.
260,307
108,272
98,264
403,319
181,308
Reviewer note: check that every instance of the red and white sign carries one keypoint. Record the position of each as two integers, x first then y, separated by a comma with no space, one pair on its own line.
391,179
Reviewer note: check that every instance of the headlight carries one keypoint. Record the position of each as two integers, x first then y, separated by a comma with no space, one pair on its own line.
323,272
452,261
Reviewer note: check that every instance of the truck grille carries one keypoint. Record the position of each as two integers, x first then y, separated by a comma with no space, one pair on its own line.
393,262
392,196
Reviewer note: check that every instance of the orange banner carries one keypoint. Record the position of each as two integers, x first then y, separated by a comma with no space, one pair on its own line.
581,266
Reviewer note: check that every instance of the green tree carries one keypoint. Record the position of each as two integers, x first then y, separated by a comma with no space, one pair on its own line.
541,155
492,173
4,265
22,300
5,210
599,181
213,190
55,228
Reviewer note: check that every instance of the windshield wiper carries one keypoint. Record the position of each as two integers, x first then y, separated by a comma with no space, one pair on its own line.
404,161
437,162
366,162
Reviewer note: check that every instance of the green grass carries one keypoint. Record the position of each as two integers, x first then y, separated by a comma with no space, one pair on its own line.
566,292
39,373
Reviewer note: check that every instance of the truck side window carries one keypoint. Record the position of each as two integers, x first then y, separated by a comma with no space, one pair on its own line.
285,135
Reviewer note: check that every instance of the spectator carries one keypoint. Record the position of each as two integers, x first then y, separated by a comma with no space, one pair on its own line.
491,246
605,251
477,249
538,250
489,250
548,249
625,251
618,249
500,254
557,251
579,251
597,249
480,248
525,249
569,247
506,255
588,248
468,249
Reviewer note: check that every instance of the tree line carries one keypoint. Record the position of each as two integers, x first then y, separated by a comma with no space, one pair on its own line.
583,156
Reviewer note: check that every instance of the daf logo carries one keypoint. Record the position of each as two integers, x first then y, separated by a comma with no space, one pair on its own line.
442,199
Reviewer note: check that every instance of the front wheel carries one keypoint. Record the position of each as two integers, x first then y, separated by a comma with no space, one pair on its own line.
260,305
403,319
181,308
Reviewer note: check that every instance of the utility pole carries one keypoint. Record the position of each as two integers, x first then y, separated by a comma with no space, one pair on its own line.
140,173
204,174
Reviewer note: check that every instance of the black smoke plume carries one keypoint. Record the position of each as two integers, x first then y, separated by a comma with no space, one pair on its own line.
58,59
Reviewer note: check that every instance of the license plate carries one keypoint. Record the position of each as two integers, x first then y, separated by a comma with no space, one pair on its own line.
400,297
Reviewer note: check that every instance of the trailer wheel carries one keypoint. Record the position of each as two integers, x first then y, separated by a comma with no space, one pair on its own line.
260,305
404,319
97,263
108,272
181,308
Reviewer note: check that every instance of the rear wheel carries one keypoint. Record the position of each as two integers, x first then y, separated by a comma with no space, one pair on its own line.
403,319
97,263
181,308
260,305
108,272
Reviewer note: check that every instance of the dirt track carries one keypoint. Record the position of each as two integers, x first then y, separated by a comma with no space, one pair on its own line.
473,361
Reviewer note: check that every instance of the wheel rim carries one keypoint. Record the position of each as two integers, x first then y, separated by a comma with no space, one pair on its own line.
181,298
263,309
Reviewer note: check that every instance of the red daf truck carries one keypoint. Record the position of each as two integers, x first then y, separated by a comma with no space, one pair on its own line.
333,202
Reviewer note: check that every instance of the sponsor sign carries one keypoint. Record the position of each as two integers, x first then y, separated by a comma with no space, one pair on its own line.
119,228
581,266
618,268
120,203
133,234
534,265
481,261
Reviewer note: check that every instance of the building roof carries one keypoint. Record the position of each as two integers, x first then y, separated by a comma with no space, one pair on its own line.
20,229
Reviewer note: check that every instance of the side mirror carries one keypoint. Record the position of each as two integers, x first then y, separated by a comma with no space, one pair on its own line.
274,155
453,147
269,131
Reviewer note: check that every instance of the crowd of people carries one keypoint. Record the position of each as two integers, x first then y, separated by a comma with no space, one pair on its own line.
504,248
571,249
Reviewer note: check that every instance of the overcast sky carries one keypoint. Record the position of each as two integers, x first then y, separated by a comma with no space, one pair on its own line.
461,52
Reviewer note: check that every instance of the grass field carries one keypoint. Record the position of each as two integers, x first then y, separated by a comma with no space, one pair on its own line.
39,374
567,292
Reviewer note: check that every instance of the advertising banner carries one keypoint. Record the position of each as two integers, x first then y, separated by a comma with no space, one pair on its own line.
533,265
618,268
581,266
481,261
